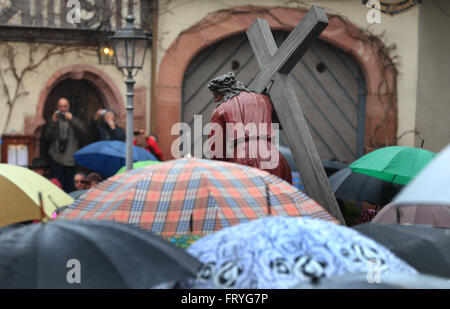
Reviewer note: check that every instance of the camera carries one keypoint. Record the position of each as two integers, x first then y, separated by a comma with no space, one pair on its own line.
60,114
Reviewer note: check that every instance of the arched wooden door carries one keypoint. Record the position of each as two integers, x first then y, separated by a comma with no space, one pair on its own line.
329,85
84,100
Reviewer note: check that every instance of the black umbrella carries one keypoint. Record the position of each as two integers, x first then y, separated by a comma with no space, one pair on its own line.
384,281
349,185
329,166
425,248
11,227
89,254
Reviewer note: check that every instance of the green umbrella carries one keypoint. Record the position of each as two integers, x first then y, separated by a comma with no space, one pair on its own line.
137,164
397,164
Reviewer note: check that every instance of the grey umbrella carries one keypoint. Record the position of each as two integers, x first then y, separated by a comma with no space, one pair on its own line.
89,254
425,248
77,194
330,166
287,154
434,215
431,186
11,227
349,185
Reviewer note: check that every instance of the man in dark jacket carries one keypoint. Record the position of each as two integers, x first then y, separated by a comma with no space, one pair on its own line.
104,126
64,134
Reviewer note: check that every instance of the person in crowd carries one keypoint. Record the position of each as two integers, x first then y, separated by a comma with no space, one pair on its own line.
150,143
39,165
93,179
80,181
368,212
64,134
104,126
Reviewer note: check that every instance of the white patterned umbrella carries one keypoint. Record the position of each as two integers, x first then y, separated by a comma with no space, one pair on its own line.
280,252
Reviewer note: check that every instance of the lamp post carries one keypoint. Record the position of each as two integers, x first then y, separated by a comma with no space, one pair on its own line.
130,45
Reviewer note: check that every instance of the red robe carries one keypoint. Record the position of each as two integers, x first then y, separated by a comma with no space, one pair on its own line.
248,108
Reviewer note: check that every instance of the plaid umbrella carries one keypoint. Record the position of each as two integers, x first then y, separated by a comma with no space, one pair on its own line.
192,196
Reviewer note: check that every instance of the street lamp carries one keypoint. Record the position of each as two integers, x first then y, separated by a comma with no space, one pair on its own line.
130,45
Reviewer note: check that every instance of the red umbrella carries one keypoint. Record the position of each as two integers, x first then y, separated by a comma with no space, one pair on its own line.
193,196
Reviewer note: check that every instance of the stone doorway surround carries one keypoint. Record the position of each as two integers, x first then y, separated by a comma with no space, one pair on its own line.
106,87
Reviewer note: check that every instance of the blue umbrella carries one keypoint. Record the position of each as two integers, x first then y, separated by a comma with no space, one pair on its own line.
107,157
281,252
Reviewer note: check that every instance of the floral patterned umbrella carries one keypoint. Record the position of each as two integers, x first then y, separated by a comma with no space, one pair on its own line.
281,252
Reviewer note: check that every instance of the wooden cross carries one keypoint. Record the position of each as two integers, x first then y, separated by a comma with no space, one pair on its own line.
275,65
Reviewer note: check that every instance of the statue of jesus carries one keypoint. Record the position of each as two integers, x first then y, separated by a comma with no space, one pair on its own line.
238,107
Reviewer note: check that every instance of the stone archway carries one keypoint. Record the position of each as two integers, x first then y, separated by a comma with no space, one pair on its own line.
381,82
106,87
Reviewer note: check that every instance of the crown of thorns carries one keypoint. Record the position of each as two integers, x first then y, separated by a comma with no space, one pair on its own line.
226,83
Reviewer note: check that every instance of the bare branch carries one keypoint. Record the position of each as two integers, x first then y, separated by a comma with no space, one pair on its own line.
37,55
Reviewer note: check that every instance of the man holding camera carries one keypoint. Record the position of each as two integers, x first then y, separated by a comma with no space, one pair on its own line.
64,134
104,126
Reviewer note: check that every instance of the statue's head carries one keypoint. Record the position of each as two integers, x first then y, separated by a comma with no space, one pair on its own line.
224,87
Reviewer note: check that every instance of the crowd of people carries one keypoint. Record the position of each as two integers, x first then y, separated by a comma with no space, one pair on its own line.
64,134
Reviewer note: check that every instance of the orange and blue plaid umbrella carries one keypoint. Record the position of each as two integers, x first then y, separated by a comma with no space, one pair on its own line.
192,196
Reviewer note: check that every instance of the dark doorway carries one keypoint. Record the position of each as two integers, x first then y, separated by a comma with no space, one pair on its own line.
84,100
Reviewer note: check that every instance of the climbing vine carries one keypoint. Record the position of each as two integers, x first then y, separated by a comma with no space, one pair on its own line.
20,60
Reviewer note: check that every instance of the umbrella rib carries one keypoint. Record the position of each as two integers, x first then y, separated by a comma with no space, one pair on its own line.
412,165
94,245
164,246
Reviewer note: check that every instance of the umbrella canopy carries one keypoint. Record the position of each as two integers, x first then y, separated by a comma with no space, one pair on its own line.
76,194
287,154
434,215
297,181
388,281
397,164
330,166
19,195
11,227
138,164
425,248
89,254
348,185
280,252
107,157
431,186
192,196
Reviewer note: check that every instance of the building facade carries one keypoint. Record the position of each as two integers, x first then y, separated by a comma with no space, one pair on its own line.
371,80
393,57
51,49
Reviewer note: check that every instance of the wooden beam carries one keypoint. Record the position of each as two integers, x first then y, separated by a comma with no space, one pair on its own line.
292,49
302,145
275,65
